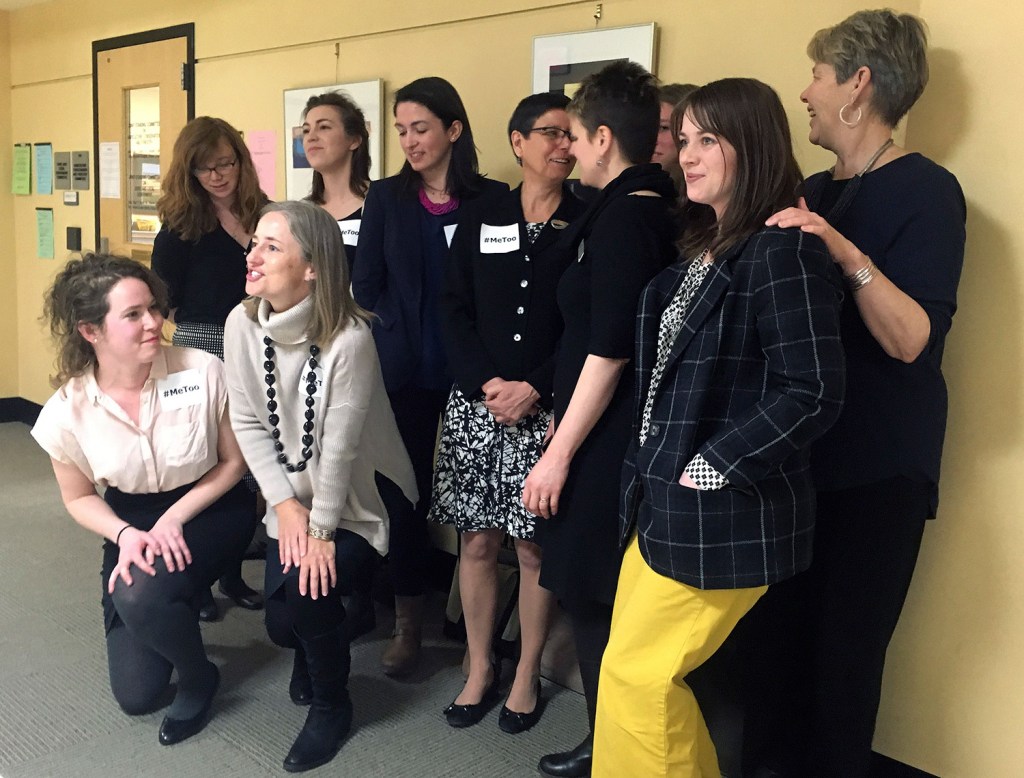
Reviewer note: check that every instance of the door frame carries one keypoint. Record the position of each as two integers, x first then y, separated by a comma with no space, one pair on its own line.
186,31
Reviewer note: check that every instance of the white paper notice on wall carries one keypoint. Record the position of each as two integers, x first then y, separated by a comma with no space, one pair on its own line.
110,170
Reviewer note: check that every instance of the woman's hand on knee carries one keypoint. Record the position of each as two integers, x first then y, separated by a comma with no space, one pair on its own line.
317,571
169,538
137,548
292,540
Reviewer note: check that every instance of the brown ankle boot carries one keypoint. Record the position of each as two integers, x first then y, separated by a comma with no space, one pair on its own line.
403,652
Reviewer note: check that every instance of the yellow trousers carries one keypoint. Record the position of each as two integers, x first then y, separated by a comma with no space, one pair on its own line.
648,721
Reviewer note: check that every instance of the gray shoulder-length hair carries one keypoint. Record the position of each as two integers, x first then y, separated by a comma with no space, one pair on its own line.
318,236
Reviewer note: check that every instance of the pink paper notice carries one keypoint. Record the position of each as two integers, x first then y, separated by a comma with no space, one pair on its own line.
263,146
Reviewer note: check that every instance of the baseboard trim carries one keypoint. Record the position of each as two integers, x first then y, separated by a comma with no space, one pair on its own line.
18,409
884,767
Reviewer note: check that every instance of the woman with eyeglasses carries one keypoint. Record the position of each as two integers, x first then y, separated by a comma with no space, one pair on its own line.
617,246
501,324
210,205
408,223
336,143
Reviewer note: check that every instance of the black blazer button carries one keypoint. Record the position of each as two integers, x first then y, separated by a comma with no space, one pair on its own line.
653,431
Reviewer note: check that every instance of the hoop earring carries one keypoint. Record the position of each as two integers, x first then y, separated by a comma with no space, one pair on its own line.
855,122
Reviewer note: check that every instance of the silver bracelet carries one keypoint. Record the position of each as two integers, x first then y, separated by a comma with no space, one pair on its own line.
320,534
862,277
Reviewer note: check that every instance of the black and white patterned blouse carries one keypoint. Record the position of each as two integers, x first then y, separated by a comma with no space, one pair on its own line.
705,476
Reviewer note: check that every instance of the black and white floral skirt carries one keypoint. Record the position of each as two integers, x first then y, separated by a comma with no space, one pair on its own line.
481,466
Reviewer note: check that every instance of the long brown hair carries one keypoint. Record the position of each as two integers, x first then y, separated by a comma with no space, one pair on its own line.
318,236
354,123
749,115
185,206
80,295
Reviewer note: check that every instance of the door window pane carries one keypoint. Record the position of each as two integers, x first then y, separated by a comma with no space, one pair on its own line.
143,163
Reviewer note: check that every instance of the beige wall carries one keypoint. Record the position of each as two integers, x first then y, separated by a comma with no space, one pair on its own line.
953,689
8,257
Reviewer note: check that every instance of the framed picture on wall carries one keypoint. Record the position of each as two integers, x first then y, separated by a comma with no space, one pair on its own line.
368,95
560,62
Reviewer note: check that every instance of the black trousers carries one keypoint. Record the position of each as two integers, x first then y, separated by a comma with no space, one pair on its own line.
815,650
418,414
290,615
591,625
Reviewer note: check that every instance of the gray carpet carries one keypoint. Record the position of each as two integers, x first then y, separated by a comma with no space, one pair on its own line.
58,718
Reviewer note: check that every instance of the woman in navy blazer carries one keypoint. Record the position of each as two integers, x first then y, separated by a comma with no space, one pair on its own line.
739,368
408,223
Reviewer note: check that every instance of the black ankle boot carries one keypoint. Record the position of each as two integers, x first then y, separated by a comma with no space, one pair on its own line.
300,687
321,736
330,714
571,764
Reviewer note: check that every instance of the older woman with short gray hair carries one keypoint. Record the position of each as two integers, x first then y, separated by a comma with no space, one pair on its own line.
894,222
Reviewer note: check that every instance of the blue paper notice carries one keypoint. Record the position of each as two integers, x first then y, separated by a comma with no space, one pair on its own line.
44,168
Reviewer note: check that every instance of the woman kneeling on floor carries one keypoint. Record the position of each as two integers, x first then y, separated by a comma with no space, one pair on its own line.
309,408
148,423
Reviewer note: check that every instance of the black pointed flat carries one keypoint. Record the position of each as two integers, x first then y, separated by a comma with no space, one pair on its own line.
461,716
513,722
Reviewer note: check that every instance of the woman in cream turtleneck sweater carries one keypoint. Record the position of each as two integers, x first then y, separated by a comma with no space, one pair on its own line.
313,420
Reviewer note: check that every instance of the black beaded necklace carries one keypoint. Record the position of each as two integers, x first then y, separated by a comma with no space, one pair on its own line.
274,419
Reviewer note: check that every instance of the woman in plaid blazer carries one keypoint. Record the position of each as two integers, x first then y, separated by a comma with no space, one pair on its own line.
739,368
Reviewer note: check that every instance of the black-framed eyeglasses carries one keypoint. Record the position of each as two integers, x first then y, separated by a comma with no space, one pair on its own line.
552,133
222,169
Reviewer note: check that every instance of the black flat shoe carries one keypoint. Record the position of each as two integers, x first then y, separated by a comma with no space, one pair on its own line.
513,722
206,607
573,764
461,716
175,730
240,594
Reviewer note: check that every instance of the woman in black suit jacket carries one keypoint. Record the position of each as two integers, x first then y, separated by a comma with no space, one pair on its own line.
408,224
739,369
501,326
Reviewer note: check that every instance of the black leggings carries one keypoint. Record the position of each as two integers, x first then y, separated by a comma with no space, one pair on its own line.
591,625
151,626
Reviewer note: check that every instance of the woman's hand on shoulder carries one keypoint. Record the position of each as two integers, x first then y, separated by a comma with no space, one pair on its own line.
842,250
138,548
292,540
169,542
317,571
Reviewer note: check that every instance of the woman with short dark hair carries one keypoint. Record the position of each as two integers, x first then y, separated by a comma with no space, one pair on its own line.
893,222
501,324
408,223
621,241
148,423
739,368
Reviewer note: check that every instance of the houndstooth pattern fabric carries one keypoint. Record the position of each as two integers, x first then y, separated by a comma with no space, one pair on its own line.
671,323
704,475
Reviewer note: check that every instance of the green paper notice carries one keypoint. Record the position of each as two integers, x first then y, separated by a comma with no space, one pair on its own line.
44,233
21,170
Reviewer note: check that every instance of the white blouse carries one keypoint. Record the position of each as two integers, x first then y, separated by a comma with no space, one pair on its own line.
175,442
